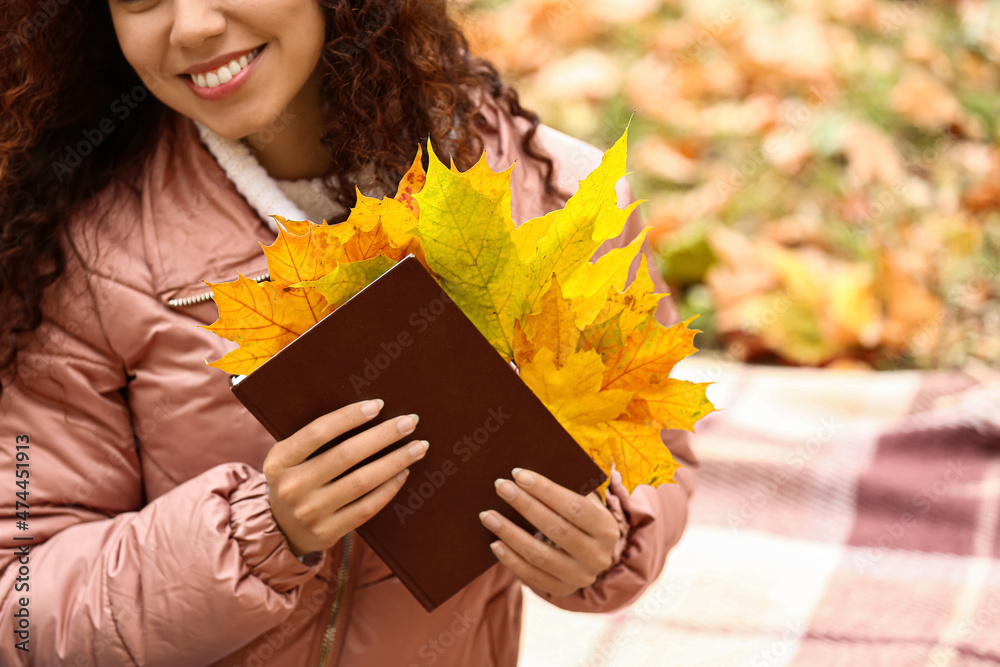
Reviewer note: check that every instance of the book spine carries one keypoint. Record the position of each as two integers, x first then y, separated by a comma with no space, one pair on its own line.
397,568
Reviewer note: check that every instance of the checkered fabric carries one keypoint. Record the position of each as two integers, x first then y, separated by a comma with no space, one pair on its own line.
842,518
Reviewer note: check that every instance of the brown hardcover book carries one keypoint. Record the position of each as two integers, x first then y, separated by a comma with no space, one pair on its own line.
403,340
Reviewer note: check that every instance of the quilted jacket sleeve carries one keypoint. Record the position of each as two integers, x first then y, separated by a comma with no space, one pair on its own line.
105,578
651,519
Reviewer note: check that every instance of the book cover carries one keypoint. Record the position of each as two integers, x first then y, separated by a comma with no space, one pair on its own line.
403,340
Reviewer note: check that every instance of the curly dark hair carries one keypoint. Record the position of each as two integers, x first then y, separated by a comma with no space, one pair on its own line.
400,70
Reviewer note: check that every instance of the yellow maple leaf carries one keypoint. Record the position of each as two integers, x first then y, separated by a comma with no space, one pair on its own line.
483,179
573,393
599,420
262,317
639,445
588,287
246,358
649,354
642,364
372,243
375,226
603,337
622,311
562,365
297,227
563,241
466,234
635,303
412,183
294,258
671,403
349,278
551,327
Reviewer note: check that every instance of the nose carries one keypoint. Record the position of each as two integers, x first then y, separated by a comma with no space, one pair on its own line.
196,21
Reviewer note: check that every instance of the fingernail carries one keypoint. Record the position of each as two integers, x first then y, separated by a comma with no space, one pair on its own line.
497,548
489,520
372,408
506,490
523,477
419,448
403,475
407,423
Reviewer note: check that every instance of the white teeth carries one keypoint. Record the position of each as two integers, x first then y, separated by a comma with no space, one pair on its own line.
225,73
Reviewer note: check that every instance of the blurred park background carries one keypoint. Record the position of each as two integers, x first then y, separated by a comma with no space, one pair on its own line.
822,176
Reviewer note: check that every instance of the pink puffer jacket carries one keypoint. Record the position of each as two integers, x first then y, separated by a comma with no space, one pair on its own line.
151,538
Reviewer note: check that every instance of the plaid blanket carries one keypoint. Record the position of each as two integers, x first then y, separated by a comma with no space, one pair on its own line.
842,518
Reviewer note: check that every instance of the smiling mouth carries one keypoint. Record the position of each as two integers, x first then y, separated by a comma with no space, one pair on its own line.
225,73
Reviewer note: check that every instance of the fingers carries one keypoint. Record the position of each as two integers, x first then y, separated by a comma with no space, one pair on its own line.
530,574
336,460
332,525
294,449
582,528
566,535
353,486
535,562
587,514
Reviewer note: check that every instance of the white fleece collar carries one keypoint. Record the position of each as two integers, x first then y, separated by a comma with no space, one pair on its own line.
250,178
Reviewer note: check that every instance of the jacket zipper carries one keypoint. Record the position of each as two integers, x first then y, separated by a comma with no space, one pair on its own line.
345,556
331,630
205,296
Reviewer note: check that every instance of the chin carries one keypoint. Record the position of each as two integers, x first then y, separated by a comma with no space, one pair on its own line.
237,129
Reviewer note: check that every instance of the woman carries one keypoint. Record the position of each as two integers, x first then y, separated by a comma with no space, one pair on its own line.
144,145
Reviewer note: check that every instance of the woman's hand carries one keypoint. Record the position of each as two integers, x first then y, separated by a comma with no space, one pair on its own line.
583,530
313,512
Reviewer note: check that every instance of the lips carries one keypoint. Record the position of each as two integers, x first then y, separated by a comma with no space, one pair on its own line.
214,80
224,73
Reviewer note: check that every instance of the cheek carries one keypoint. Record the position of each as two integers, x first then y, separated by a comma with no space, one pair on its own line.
301,54
143,40
138,44
310,30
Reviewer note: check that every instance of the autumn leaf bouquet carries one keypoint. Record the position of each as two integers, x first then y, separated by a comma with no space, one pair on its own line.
589,347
